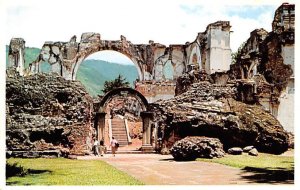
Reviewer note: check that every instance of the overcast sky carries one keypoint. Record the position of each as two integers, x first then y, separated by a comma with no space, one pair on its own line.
164,21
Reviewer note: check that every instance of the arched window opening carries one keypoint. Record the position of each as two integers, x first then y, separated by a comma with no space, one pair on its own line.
105,66
168,70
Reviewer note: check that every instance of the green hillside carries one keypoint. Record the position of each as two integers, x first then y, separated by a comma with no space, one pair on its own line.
91,73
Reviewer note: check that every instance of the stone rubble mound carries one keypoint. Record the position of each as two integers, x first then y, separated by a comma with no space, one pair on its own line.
191,148
46,113
211,110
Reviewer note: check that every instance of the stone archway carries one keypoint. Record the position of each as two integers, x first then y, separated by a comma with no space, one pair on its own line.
88,52
66,57
141,103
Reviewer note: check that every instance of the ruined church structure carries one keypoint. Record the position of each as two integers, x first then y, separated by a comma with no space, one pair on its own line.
196,88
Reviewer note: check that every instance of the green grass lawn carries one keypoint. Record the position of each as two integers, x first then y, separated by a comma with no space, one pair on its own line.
265,168
262,161
60,171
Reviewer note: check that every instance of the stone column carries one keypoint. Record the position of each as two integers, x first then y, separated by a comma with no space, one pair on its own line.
101,125
146,117
16,54
66,73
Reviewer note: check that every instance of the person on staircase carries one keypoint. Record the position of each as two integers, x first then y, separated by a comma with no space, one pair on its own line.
102,147
114,146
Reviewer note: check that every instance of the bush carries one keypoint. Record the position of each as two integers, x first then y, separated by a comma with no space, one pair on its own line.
15,170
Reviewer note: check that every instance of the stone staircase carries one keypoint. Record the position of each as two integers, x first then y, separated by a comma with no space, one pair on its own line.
119,131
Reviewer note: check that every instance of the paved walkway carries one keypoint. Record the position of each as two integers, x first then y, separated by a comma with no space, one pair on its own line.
156,169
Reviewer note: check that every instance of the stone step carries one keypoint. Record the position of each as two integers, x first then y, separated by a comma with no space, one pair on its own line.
119,131
114,128
114,121
122,140
117,124
120,137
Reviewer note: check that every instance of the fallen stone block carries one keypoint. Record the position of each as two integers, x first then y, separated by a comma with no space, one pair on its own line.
191,148
253,152
235,151
247,148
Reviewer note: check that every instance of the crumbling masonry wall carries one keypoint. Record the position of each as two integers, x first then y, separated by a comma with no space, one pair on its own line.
266,64
47,115
154,61
16,55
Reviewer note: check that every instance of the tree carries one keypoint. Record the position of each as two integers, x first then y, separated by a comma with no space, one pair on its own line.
119,82
237,54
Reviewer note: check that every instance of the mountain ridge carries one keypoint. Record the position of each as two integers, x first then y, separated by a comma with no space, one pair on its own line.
91,73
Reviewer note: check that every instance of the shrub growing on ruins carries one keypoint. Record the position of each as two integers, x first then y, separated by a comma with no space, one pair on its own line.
120,81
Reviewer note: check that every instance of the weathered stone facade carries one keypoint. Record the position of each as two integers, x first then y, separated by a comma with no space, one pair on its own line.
154,61
47,115
154,91
266,65
16,55
206,95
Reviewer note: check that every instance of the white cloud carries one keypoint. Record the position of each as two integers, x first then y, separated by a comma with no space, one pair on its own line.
166,22
111,56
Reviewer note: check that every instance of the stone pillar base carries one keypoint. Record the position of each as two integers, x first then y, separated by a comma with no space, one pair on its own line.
147,148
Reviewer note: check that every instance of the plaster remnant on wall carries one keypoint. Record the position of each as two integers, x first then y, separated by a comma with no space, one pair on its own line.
269,57
16,54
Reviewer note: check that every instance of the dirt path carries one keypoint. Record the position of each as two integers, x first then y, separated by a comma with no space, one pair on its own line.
155,169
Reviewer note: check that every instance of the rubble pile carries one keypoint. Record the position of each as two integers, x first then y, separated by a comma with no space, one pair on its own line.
211,110
191,148
46,114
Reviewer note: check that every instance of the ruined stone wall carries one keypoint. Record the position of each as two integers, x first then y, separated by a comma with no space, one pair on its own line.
154,91
16,55
46,113
219,52
270,57
153,60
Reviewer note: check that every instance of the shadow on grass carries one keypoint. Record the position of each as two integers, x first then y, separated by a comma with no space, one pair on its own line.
14,169
28,172
269,175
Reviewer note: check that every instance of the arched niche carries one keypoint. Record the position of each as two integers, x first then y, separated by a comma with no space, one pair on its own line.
194,57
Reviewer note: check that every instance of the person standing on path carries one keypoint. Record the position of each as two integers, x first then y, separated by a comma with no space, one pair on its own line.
114,146
96,148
